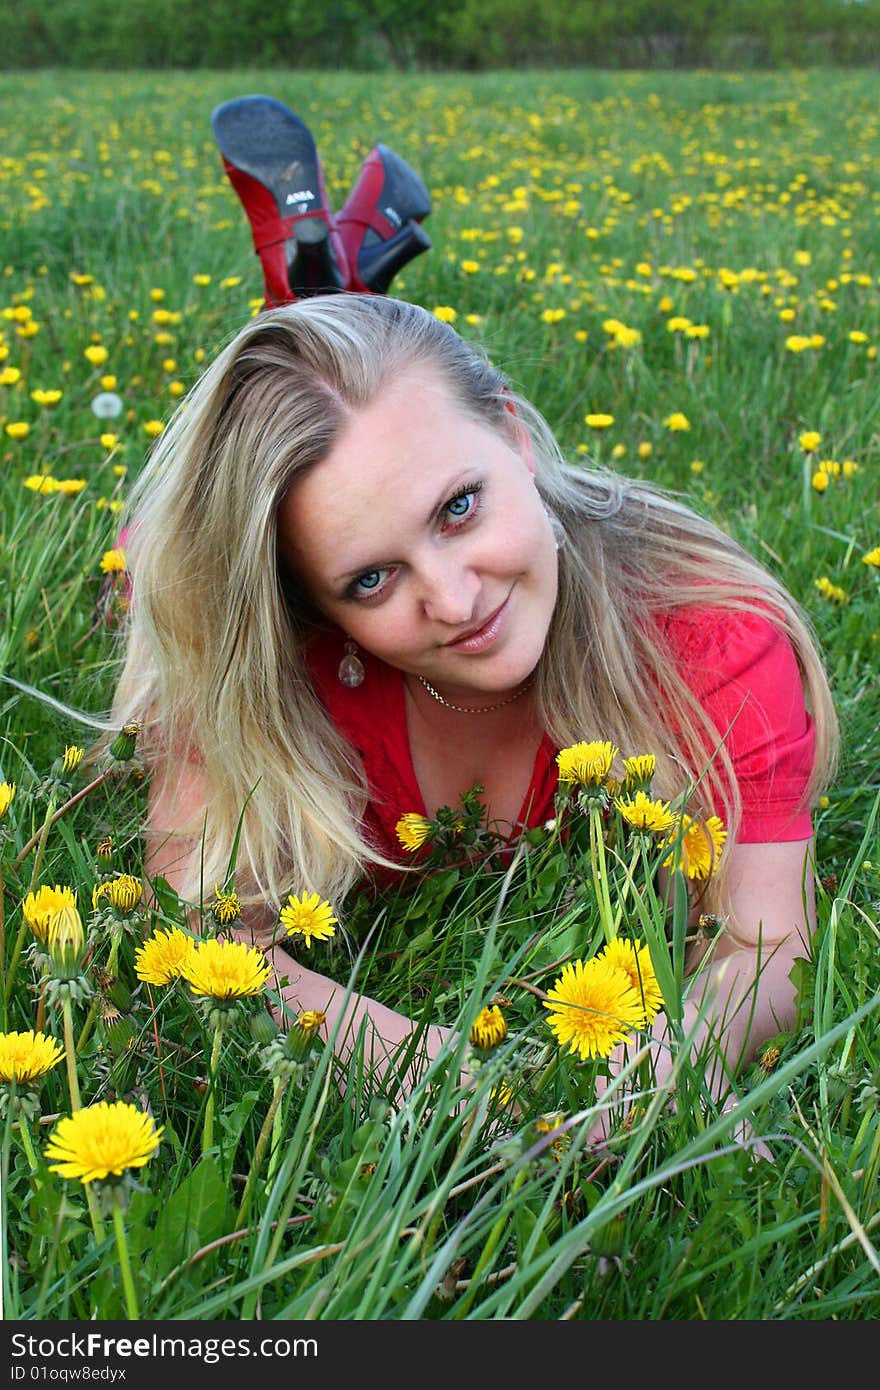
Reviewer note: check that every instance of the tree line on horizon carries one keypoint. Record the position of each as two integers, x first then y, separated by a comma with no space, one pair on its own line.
470,35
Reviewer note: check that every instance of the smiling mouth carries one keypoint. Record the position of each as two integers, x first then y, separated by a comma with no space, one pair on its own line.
475,631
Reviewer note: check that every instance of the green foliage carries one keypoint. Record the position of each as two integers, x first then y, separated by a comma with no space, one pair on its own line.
471,34
724,199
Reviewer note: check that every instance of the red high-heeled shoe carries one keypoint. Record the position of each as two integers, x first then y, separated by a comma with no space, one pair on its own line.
270,157
380,221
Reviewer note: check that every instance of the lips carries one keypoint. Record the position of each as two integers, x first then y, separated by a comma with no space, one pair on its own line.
482,628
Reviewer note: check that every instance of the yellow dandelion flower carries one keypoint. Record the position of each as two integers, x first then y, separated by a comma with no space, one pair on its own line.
226,907
108,382
51,397
230,282
7,792
109,441
488,1029
645,450
639,770
587,763
412,830
226,969
644,814
809,440
27,1056
124,893
71,759
598,421
310,1020
308,916
113,561
593,1007
445,313
101,1139
677,421
634,960
201,279
153,428
820,480
41,906
99,893
43,483
18,429
831,591
872,557
96,354
697,846
163,955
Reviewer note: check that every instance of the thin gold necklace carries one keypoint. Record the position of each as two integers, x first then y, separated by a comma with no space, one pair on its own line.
477,709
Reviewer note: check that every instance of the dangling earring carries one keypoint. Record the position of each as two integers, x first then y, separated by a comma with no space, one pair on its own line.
351,668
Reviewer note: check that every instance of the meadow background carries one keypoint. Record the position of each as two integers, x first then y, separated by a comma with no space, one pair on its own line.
644,247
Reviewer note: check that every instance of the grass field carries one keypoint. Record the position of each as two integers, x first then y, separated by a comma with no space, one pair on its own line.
692,258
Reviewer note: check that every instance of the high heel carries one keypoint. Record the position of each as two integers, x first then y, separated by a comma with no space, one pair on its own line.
270,157
380,221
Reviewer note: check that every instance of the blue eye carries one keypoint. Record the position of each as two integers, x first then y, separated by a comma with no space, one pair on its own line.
459,506
464,504
369,581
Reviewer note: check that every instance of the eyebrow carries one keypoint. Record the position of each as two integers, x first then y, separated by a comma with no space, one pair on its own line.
345,578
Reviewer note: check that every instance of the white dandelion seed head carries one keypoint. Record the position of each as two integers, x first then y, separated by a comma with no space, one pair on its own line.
107,405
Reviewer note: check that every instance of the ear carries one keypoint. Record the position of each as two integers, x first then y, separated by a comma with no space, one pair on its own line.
521,437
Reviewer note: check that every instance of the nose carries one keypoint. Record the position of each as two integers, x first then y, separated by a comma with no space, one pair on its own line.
449,590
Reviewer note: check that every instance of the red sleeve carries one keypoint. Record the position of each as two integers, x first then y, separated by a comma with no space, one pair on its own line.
744,672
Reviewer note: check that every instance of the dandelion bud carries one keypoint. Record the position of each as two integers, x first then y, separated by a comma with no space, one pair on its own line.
7,792
66,941
122,747
262,1027
488,1029
303,1033
120,1036
104,851
124,893
119,994
225,908
71,759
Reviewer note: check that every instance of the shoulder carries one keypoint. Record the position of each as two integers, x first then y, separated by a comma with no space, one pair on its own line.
717,649
742,668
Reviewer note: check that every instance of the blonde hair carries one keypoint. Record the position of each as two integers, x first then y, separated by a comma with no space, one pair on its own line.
215,665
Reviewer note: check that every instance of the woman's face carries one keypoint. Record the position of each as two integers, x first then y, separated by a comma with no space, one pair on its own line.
422,535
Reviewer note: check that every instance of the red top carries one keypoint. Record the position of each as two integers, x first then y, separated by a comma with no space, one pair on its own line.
739,665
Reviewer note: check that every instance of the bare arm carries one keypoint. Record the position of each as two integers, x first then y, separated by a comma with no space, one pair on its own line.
773,914
169,853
